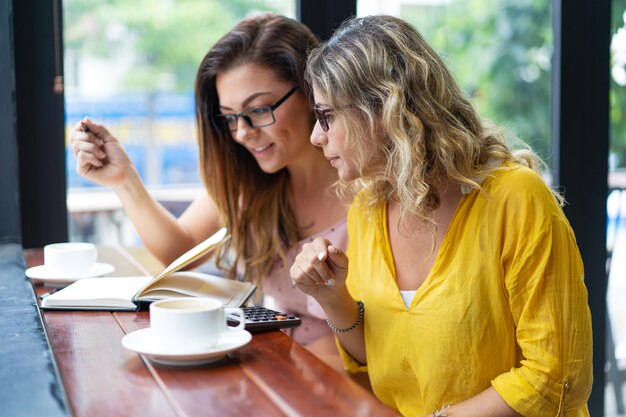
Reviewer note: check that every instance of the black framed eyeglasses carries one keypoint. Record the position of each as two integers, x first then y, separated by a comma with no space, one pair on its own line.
255,117
321,116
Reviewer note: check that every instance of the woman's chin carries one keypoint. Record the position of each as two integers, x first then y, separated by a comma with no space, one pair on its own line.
270,168
345,175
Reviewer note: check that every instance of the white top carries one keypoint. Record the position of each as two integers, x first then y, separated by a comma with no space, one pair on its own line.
407,297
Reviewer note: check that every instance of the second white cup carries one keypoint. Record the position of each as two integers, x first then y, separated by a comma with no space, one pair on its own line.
72,258
191,323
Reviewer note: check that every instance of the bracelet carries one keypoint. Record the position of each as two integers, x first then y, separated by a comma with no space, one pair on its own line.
356,323
442,411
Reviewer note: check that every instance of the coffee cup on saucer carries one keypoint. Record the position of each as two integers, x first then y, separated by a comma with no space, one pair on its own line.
190,324
67,262
188,332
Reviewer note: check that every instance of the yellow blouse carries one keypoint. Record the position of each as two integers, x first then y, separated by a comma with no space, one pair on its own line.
504,305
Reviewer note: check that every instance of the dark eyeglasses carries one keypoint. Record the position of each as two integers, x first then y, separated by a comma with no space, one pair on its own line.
322,118
256,117
322,115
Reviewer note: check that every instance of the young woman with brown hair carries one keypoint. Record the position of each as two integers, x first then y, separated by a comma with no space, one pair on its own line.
264,181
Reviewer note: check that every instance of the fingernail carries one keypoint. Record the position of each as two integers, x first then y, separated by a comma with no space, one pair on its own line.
320,256
330,282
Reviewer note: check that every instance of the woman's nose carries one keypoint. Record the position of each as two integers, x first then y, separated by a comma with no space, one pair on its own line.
244,130
318,136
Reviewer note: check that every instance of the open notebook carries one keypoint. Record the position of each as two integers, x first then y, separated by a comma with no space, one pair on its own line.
131,293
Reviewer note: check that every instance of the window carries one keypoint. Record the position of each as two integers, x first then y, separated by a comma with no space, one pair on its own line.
616,213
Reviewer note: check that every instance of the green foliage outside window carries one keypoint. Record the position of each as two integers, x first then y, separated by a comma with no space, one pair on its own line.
168,36
500,51
618,84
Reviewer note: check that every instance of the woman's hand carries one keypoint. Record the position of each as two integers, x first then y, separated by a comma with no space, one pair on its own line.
320,269
100,156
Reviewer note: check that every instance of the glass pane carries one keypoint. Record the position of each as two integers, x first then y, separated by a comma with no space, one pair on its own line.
131,66
616,212
500,52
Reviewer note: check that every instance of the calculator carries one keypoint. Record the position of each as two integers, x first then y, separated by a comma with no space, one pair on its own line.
262,319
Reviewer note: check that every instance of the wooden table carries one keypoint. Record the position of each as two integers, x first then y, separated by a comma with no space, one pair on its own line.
271,376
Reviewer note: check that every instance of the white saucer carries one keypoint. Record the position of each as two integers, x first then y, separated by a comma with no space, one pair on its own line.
43,274
143,342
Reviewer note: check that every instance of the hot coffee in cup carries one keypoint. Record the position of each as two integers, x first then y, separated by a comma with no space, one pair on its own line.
70,259
187,324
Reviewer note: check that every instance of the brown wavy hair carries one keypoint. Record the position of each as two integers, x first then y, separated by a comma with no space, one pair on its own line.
252,204
406,119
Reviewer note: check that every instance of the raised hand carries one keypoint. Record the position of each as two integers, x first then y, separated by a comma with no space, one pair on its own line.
101,158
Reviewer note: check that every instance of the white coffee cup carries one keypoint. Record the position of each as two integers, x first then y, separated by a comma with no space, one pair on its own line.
189,324
70,259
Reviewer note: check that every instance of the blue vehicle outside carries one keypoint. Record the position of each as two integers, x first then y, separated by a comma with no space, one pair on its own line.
165,112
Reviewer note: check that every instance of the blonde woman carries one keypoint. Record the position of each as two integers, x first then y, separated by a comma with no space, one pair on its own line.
461,292
264,180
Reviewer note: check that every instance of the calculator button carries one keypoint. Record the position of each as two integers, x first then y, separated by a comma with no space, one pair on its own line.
262,319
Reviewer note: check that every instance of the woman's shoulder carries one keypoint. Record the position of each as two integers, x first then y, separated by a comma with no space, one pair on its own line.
514,174
518,181
515,187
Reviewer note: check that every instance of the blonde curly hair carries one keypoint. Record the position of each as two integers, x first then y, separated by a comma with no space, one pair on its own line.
408,124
